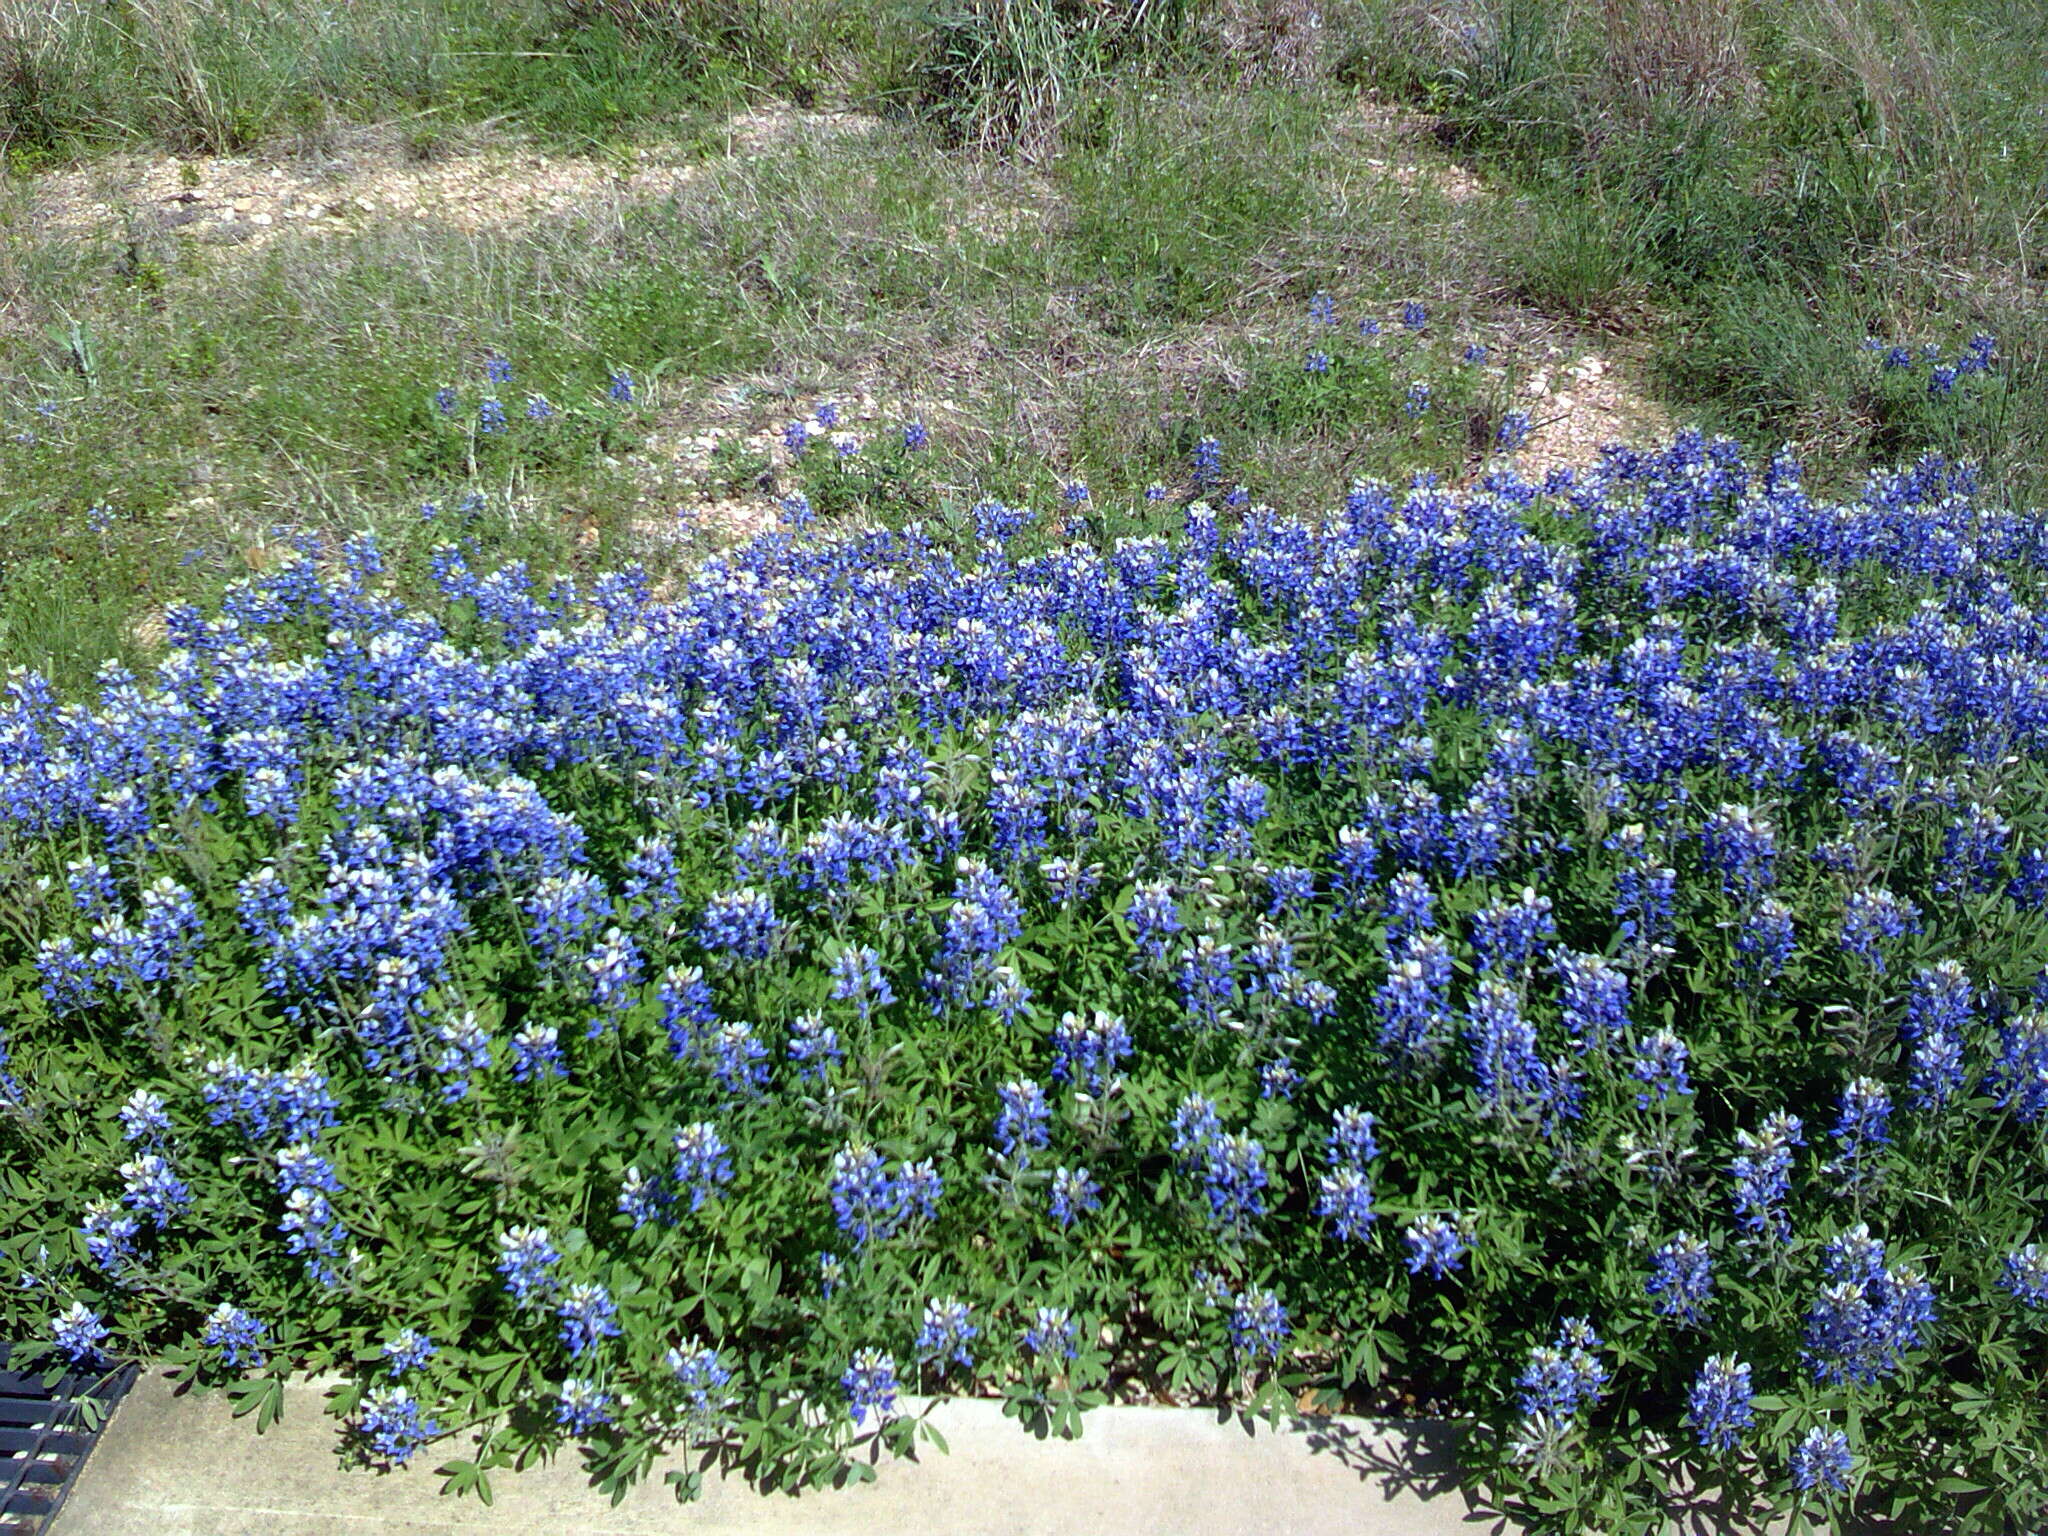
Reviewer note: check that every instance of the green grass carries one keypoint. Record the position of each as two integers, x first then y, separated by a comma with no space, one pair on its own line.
1761,187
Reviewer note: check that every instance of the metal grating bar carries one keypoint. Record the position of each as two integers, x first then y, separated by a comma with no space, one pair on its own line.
44,1438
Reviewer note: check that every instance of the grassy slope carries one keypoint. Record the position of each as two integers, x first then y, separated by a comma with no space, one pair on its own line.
1749,202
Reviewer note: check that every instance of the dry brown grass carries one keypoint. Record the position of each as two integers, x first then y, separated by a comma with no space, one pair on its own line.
1684,52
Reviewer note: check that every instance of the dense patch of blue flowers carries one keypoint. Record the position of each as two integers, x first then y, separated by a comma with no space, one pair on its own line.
881,965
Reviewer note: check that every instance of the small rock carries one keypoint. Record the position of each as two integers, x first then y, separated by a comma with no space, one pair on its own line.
259,218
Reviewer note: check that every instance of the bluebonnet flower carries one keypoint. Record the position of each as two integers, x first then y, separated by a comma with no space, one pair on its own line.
1317,361
869,1382
1436,1246
795,436
1659,1064
78,1333
1475,353
1414,1002
1765,943
1074,492
564,910
151,1188
1069,880
1352,1140
537,1053
1861,1126
1508,1073
869,1203
527,1259
1418,399
1195,1125
1565,1375
1206,463
741,923
1941,1001
619,388
2019,1076
408,1350
1681,1280
831,1270
498,369
583,1405
236,1335
588,1315
1008,997
1867,1317
1207,979
686,1008
1718,1405
538,409
1357,856
1507,937
1972,851
143,1117
389,1427
947,1331
1322,309
1259,1328
1052,1334
1279,1078
1875,916
1290,890
1074,1194
110,1233
915,437
1414,316
1763,1176
1022,1119
1344,1199
490,416
1411,908
465,1048
445,400
1231,1167
738,1061
1822,1460
1090,1050
1595,999
1742,847
703,1162
814,1047
2026,1275
1154,917
827,413
1645,894
702,1376
641,1199
1513,431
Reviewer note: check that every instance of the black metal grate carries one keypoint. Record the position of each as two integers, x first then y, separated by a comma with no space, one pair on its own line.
44,1438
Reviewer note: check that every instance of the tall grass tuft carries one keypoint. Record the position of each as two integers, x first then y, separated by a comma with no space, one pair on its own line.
1004,74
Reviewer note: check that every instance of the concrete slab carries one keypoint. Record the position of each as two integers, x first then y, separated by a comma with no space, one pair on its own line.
182,1466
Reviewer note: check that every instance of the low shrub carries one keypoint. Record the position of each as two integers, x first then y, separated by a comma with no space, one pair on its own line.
1570,953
